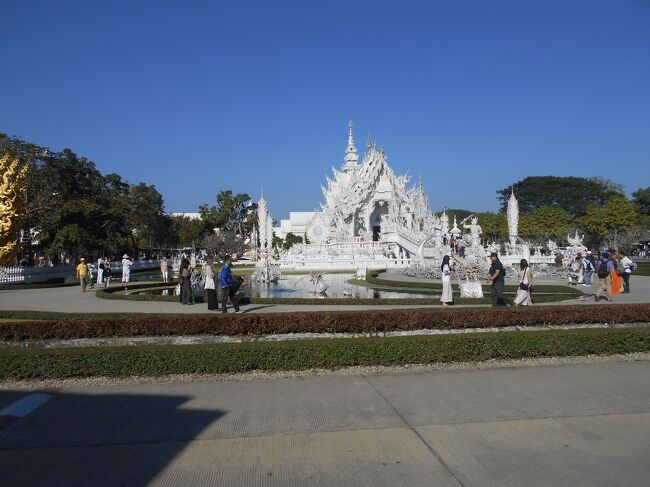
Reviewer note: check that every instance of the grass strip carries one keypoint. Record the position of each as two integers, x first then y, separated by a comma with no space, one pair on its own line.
157,360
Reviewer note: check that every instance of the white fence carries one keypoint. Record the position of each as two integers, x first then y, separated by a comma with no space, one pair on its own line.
31,275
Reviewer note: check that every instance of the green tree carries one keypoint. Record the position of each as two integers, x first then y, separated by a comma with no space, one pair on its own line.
233,212
619,214
641,200
493,225
573,194
189,230
546,222
290,240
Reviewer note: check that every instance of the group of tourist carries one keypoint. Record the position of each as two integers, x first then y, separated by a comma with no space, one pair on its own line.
104,272
612,268
613,271
227,283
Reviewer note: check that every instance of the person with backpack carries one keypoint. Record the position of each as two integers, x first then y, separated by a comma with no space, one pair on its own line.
497,278
589,270
604,270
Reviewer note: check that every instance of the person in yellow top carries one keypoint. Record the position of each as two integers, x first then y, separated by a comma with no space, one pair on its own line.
82,274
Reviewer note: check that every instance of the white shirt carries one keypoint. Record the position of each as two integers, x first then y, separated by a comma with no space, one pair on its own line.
126,265
627,262
446,277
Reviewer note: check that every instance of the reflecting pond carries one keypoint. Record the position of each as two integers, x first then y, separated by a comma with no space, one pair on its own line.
300,286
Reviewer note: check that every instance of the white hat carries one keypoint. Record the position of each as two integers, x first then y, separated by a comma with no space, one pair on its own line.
83,258
125,256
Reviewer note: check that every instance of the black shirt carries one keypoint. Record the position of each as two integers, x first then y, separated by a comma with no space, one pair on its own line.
497,266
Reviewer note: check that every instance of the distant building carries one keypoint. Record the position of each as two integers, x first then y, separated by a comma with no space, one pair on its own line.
190,215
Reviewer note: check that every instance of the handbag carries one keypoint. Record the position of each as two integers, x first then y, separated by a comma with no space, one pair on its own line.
209,283
523,286
620,269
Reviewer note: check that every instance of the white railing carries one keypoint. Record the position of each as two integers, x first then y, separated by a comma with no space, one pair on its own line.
32,275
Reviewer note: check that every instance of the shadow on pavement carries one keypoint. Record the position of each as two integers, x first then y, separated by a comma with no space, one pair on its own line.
98,439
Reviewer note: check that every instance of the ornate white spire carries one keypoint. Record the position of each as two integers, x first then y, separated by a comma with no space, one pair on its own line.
351,156
513,217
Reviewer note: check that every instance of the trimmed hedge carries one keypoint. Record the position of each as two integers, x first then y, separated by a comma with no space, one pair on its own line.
371,322
157,360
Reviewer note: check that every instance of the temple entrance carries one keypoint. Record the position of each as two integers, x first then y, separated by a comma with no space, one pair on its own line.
380,209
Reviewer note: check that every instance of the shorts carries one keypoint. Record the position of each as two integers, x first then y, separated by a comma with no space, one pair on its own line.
126,277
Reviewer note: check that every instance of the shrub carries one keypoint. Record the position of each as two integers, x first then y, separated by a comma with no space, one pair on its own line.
156,360
370,322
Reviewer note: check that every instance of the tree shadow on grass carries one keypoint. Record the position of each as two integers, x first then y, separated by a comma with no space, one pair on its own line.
98,438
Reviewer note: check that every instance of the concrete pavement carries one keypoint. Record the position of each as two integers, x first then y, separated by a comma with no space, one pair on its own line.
570,425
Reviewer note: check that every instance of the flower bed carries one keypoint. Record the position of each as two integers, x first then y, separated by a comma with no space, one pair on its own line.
372,322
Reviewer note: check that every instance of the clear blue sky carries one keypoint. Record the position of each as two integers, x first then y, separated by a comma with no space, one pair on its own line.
196,97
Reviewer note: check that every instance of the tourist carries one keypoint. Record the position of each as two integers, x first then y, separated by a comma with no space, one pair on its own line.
126,270
581,269
209,285
447,294
108,277
628,267
185,277
82,274
523,297
617,274
589,270
100,271
91,272
604,270
228,289
497,279
164,269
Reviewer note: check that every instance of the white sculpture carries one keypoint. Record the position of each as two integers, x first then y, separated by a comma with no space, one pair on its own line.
513,218
266,270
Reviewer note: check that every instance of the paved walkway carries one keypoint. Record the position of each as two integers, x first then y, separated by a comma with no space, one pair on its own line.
70,299
563,425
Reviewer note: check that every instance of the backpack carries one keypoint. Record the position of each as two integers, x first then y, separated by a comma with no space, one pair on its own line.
588,265
603,271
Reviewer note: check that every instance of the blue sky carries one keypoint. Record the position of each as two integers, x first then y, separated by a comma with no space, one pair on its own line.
196,97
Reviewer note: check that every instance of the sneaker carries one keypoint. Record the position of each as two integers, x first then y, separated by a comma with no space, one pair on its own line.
585,285
237,311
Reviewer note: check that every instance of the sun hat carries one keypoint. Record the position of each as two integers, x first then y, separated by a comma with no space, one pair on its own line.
125,256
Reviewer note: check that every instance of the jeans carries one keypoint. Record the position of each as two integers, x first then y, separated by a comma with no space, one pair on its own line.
497,293
588,277
228,292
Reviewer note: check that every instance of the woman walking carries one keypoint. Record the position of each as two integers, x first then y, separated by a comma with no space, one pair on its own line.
447,295
209,286
185,276
525,284
617,275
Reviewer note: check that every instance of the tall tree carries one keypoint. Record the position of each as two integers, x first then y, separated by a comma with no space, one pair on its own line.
641,200
573,194
13,173
233,212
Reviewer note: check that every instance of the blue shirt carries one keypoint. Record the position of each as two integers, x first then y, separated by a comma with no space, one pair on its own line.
497,266
225,276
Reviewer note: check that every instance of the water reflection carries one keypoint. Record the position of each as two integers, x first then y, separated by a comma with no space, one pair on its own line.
299,286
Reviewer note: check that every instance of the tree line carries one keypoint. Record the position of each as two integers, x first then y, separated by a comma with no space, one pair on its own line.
552,206
70,209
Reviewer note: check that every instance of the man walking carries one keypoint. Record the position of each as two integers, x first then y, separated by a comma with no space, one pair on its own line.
604,270
497,278
82,274
228,286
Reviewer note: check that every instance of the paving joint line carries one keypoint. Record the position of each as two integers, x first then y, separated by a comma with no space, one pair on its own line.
416,433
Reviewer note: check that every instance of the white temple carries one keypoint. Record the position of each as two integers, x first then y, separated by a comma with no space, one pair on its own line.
369,215
372,219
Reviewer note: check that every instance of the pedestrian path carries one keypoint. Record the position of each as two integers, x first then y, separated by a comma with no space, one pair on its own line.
70,299
578,425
